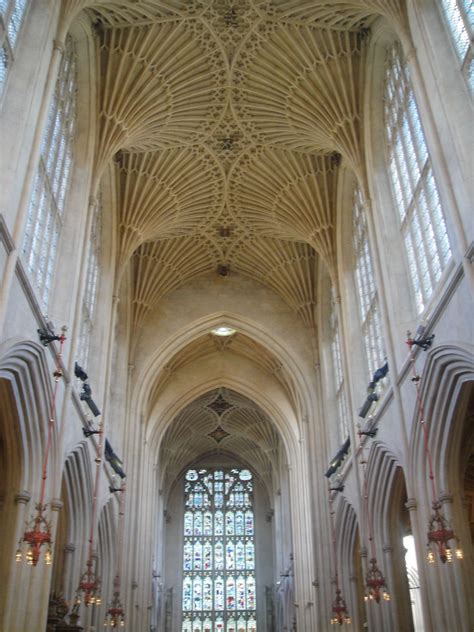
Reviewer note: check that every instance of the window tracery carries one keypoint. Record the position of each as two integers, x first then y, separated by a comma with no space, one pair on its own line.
459,15
12,14
413,185
219,591
46,210
369,309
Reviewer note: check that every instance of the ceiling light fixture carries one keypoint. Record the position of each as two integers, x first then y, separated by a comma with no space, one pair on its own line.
223,330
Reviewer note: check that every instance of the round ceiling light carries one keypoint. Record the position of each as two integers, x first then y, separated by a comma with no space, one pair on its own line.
223,330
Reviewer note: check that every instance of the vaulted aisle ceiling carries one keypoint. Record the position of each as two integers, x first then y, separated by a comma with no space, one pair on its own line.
227,122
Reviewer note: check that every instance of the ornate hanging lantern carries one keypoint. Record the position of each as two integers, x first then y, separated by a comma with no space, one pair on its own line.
339,609
36,535
375,583
115,617
439,537
89,586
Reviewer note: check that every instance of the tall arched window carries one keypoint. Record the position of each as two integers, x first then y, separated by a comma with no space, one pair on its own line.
368,300
414,188
12,13
219,592
89,298
338,374
459,17
46,210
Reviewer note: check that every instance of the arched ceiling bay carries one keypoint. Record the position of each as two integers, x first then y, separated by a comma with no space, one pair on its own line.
220,422
238,344
227,122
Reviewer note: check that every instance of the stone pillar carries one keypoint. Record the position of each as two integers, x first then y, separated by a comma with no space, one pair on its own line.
354,605
391,610
15,572
69,550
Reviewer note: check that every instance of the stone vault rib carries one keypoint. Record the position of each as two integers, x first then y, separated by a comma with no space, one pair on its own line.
286,267
162,87
287,195
334,14
166,194
298,87
163,266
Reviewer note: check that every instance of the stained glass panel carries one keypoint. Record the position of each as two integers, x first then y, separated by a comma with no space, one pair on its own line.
219,552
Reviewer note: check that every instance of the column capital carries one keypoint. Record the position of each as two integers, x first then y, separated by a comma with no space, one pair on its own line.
70,547
56,504
387,548
411,504
22,498
58,46
445,497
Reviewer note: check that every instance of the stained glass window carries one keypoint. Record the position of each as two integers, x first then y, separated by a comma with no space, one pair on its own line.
219,592
369,309
414,188
459,15
48,199
12,14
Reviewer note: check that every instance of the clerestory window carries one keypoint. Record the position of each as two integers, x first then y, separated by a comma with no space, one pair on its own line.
12,14
368,300
459,15
219,592
46,210
413,184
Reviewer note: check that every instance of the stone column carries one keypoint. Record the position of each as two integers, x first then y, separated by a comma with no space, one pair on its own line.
68,587
17,573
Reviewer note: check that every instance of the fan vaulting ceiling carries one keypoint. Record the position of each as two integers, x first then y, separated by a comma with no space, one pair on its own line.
227,121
